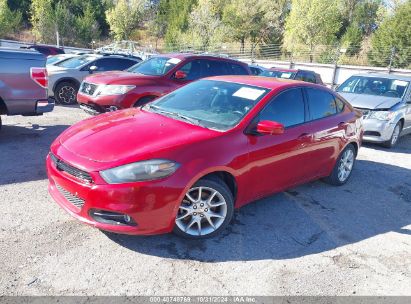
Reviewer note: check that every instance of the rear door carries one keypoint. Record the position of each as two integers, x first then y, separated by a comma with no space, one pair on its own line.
278,161
328,126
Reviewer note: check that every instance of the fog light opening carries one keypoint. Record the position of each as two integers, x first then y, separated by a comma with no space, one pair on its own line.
112,218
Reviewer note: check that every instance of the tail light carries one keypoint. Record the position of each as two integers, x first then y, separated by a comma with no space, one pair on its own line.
39,76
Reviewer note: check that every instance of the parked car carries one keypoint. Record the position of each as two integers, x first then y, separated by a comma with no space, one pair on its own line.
303,75
55,59
257,69
385,100
66,77
150,79
183,162
23,83
46,50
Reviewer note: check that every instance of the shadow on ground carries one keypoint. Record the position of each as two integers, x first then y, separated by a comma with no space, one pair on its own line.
23,150
310,219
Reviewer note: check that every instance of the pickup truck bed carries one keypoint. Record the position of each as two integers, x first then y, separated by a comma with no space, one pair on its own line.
23,83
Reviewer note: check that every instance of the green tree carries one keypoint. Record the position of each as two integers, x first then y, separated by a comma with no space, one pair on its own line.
394,32
124,17
257,20
87,27
178,13
21,6
205,24
42,20
10,21
311,23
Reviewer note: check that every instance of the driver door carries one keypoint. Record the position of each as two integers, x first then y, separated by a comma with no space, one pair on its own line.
278,162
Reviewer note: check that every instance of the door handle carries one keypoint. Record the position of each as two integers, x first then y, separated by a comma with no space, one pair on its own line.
304,135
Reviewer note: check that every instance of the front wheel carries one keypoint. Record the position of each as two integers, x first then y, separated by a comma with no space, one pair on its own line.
343,167
207,208
394,137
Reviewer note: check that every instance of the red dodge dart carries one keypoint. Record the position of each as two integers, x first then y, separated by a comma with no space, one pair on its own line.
184,162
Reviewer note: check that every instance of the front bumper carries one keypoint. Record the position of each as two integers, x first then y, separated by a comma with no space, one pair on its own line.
377,131
152,205
101,104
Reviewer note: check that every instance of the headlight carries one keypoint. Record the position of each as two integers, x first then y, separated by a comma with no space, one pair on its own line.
382,115
114,89
140,171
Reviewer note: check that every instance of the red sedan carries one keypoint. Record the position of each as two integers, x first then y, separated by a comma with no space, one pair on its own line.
184,162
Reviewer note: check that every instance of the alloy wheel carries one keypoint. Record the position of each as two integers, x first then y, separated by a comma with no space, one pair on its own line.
67,95
202,211
346,165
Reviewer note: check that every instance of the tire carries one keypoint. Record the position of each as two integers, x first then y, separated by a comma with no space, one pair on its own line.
192,211
66,93
394,136
143,101
337,176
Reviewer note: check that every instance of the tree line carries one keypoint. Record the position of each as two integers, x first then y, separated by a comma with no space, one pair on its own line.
377,30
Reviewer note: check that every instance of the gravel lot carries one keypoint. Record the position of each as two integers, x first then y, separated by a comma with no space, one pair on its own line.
312,240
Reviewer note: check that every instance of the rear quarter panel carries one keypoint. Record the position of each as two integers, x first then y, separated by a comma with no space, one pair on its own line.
18,91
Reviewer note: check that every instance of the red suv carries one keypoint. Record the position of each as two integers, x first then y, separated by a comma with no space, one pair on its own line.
150,79
184,161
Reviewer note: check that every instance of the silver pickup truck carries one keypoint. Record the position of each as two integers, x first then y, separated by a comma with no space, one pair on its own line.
23,83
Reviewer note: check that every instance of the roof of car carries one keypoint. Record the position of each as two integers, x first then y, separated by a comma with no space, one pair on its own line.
386,75
283,69
264,82
182,56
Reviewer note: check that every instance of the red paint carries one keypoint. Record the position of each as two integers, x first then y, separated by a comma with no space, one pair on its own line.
260,164
146,86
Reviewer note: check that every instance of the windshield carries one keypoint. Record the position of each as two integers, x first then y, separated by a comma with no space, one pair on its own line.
155,66
212,104
374,86
278,74
76,62
53,59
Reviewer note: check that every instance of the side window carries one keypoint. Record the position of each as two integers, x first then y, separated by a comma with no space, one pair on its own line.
213,68
236,69
299,76
340,104
286,108
123,64
321,103
310,77
192,69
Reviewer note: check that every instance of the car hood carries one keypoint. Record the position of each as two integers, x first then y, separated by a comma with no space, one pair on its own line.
129,135
370,101
118,77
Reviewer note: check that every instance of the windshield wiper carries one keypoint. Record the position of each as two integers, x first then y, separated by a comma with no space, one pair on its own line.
168,113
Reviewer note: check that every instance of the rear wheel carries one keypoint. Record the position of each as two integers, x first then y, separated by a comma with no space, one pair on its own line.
207,208
343,167
394,137
66,93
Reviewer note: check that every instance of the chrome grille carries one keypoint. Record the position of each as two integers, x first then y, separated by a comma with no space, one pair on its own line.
62,166
88,88
71,198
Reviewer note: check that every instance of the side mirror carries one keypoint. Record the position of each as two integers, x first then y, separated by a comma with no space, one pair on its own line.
92,69
268,127
180,75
